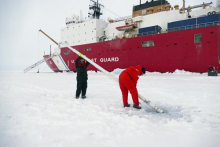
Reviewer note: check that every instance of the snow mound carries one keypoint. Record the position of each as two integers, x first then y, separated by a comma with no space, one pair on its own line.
177,71
117,71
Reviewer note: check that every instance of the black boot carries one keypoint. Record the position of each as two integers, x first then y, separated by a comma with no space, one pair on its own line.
137,107
83,97
128,105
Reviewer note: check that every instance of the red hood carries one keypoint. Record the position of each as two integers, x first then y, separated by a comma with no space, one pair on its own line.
84,62
138,67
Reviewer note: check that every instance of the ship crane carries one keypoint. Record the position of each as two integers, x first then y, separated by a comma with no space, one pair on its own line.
43,60
48,36
182,10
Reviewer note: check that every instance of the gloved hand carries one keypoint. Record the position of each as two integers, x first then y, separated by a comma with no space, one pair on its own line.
80,54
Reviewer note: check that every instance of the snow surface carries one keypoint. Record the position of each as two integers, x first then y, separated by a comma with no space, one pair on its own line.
39,110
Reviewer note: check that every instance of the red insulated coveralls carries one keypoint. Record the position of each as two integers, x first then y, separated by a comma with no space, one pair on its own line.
128,81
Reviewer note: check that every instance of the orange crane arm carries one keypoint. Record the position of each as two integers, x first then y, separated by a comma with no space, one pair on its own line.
48,37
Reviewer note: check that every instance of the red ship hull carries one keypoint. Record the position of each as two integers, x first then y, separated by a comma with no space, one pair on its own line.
51,64
171,51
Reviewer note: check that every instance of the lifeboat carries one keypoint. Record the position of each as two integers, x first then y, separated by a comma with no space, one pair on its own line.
126,27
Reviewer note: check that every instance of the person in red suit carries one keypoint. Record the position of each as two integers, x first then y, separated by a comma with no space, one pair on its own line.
128,82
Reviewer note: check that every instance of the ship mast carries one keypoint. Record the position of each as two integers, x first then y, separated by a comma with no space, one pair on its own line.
95,9
183,6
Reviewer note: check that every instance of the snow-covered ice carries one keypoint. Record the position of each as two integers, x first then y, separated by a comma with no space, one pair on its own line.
39,110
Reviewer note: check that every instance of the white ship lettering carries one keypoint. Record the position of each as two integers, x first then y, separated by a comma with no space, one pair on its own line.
112,59
94,59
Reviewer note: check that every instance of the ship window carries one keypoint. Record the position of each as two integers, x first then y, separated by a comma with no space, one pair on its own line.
147,43
198,38
143,12
87,49
66,52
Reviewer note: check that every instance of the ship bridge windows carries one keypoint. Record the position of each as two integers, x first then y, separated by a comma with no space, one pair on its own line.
66,52
198,38
87,49
147,43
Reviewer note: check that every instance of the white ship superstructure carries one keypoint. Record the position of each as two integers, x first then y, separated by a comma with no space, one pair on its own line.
94,30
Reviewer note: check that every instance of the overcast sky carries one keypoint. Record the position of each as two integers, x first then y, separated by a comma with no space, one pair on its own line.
20,43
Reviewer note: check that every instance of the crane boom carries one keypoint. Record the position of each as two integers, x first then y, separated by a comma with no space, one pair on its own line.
48,36
193,7
197,6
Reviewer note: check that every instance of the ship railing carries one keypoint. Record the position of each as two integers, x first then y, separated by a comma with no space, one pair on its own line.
201,25
148,33
36,64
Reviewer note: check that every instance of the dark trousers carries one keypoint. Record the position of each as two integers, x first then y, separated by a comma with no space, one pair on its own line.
81,86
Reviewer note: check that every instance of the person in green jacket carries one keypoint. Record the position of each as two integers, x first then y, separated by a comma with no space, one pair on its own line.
82,76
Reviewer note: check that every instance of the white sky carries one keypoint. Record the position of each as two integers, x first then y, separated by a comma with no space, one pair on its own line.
21,20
